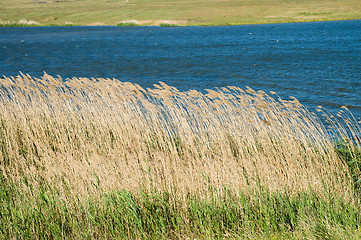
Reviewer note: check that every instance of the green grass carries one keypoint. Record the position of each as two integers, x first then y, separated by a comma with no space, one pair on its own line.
168,25
17,25
351,155
182,12
257,213
127,24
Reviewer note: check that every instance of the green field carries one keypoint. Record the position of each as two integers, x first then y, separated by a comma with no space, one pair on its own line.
181,12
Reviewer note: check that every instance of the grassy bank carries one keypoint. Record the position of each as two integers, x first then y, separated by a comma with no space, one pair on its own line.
99,158
183,12
256,214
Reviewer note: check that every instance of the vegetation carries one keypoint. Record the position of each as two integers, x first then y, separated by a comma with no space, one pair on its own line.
99,158
17,25
168,25
127,24
155,215
182,12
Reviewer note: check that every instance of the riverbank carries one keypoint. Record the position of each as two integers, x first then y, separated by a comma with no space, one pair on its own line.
170,13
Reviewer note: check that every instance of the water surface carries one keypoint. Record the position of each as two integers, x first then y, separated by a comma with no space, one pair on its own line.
319,63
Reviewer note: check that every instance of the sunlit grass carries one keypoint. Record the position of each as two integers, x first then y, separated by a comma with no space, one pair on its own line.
100,158
184,12
168,25
127,24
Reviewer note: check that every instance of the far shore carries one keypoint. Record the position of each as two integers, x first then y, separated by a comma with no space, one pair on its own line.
163,23
167,13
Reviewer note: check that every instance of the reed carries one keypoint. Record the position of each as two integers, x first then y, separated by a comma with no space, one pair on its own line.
90,150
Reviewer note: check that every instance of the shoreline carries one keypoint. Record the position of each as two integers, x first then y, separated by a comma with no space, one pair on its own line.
170,13
162,24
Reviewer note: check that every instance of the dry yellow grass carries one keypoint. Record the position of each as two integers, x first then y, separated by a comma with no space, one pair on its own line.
96,135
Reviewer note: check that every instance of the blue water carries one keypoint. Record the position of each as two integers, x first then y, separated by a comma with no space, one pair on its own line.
319,63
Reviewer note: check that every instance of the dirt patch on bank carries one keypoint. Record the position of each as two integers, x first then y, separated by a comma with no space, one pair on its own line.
153,22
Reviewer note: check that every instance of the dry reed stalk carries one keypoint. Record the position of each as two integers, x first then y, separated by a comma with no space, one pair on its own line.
88,136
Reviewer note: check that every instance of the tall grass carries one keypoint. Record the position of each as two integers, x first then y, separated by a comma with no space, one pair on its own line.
100,158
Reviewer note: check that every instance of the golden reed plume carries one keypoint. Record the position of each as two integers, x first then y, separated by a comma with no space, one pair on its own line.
96,135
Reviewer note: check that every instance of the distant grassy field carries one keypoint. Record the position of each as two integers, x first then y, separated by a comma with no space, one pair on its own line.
181,12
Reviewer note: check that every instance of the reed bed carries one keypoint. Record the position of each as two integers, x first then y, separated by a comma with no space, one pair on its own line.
87,146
